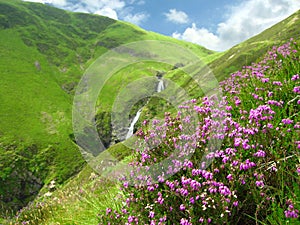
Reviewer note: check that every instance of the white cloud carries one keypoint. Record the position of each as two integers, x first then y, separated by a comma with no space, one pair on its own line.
107,12
59,3
142,2
94,5
137,18
114,9
109,8
40,1
137,2
246,20
199,36
178,17
54,2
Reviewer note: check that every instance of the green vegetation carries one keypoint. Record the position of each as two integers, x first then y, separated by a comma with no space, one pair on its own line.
237,164
250,50
43,53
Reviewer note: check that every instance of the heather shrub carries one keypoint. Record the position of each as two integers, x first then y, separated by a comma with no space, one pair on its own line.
231,159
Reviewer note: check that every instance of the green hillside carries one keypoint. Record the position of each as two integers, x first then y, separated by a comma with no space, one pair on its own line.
250,50
43,53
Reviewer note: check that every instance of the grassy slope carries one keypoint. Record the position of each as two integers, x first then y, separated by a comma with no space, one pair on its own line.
224,63
35,106
250,50
35,117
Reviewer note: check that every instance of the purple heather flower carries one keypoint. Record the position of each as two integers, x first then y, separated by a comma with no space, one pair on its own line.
150,188
237,142
230,151
160,200
192,200
297,90
229,177
228,108
291,213
184,222
161,179
259,183
247,165
242,181
207,175
216,170
295,77
162,219
212,190
130,219
125,184
182,207
235,163
184,192
224,190
237,102
225,159
151,214
287,121
260,153
278,83
245,144
108,210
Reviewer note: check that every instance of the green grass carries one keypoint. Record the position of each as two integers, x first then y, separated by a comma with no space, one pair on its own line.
79,200
35,118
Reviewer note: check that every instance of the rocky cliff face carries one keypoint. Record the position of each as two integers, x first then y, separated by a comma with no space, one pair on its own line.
21,181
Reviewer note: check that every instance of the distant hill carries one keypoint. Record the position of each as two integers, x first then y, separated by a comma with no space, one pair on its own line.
250,50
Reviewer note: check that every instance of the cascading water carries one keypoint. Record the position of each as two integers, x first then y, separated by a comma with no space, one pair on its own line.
131,128
160,88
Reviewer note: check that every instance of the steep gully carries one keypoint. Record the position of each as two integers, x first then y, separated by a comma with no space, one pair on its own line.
160,88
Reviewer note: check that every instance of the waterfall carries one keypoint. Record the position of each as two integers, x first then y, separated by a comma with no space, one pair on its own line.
131,128
160,86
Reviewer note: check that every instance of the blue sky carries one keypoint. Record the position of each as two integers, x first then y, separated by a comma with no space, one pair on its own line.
214,24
